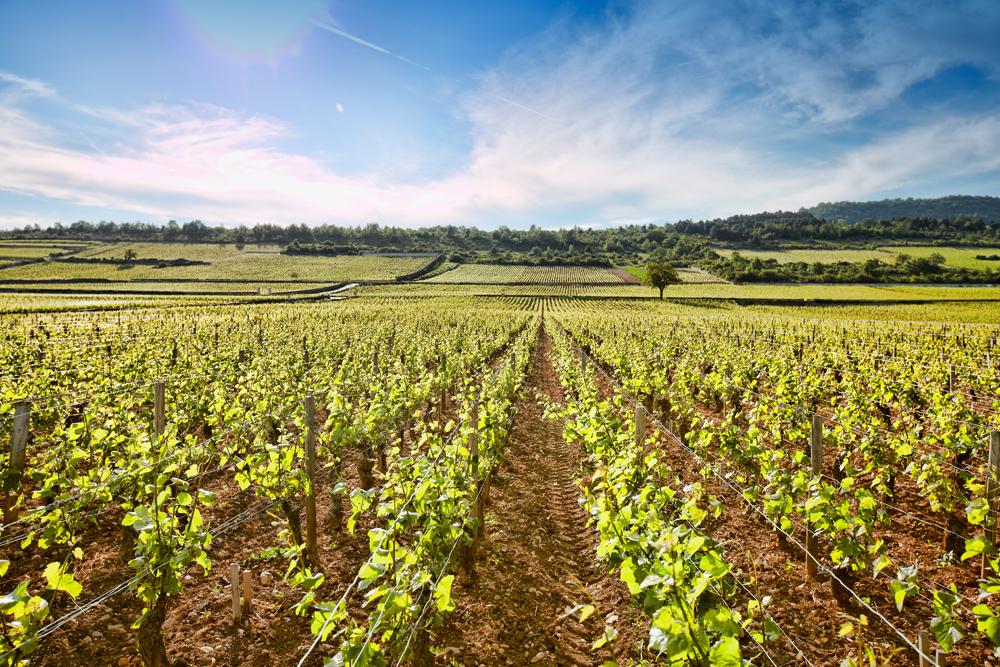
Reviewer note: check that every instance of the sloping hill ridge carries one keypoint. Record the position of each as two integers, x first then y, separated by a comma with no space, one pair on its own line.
985,208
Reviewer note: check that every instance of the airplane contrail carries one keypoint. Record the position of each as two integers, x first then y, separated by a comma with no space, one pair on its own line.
375,47
522,107
363,42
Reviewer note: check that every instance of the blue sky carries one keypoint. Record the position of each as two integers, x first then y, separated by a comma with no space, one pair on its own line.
514,113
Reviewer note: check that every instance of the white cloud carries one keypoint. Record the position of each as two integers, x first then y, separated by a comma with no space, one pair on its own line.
11,220
17,87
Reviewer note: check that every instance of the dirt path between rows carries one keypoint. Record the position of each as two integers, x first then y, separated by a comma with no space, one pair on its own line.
537,558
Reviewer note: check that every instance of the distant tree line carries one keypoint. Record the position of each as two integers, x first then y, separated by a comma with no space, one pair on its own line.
623,245
781,229
760,230
954,206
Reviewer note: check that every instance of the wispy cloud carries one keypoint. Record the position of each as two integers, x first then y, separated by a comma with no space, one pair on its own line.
20,86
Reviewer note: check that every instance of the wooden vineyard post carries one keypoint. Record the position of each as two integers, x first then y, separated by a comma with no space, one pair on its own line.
313,549
640,427
474,441
19,438
159,409
234,585
940,659
18,450
924,657
816,466
247,589
992,480
477,483
470,552
443,403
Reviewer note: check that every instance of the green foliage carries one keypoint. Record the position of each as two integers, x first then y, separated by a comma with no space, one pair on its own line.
170,537
979,208
659,272
650,531
928,269
743,391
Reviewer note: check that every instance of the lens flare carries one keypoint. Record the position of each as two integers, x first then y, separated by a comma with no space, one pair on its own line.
258,30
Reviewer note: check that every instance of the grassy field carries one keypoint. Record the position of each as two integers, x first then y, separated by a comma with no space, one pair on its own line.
253,263
964,258
535,275
825,255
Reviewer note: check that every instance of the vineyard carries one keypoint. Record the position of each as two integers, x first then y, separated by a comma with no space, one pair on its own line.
206,262
488,274
15,251
441,479
28,302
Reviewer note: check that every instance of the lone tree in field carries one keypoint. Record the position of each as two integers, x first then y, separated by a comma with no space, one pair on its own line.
659,272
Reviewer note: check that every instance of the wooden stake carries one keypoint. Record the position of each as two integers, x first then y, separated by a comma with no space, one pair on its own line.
924,657
159,409
816,466
816,445
474,441
247,590
19,439
940,659
234,584
640,426
313,550
992,486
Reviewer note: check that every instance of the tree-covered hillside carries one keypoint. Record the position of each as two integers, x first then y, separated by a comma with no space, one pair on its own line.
983,208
